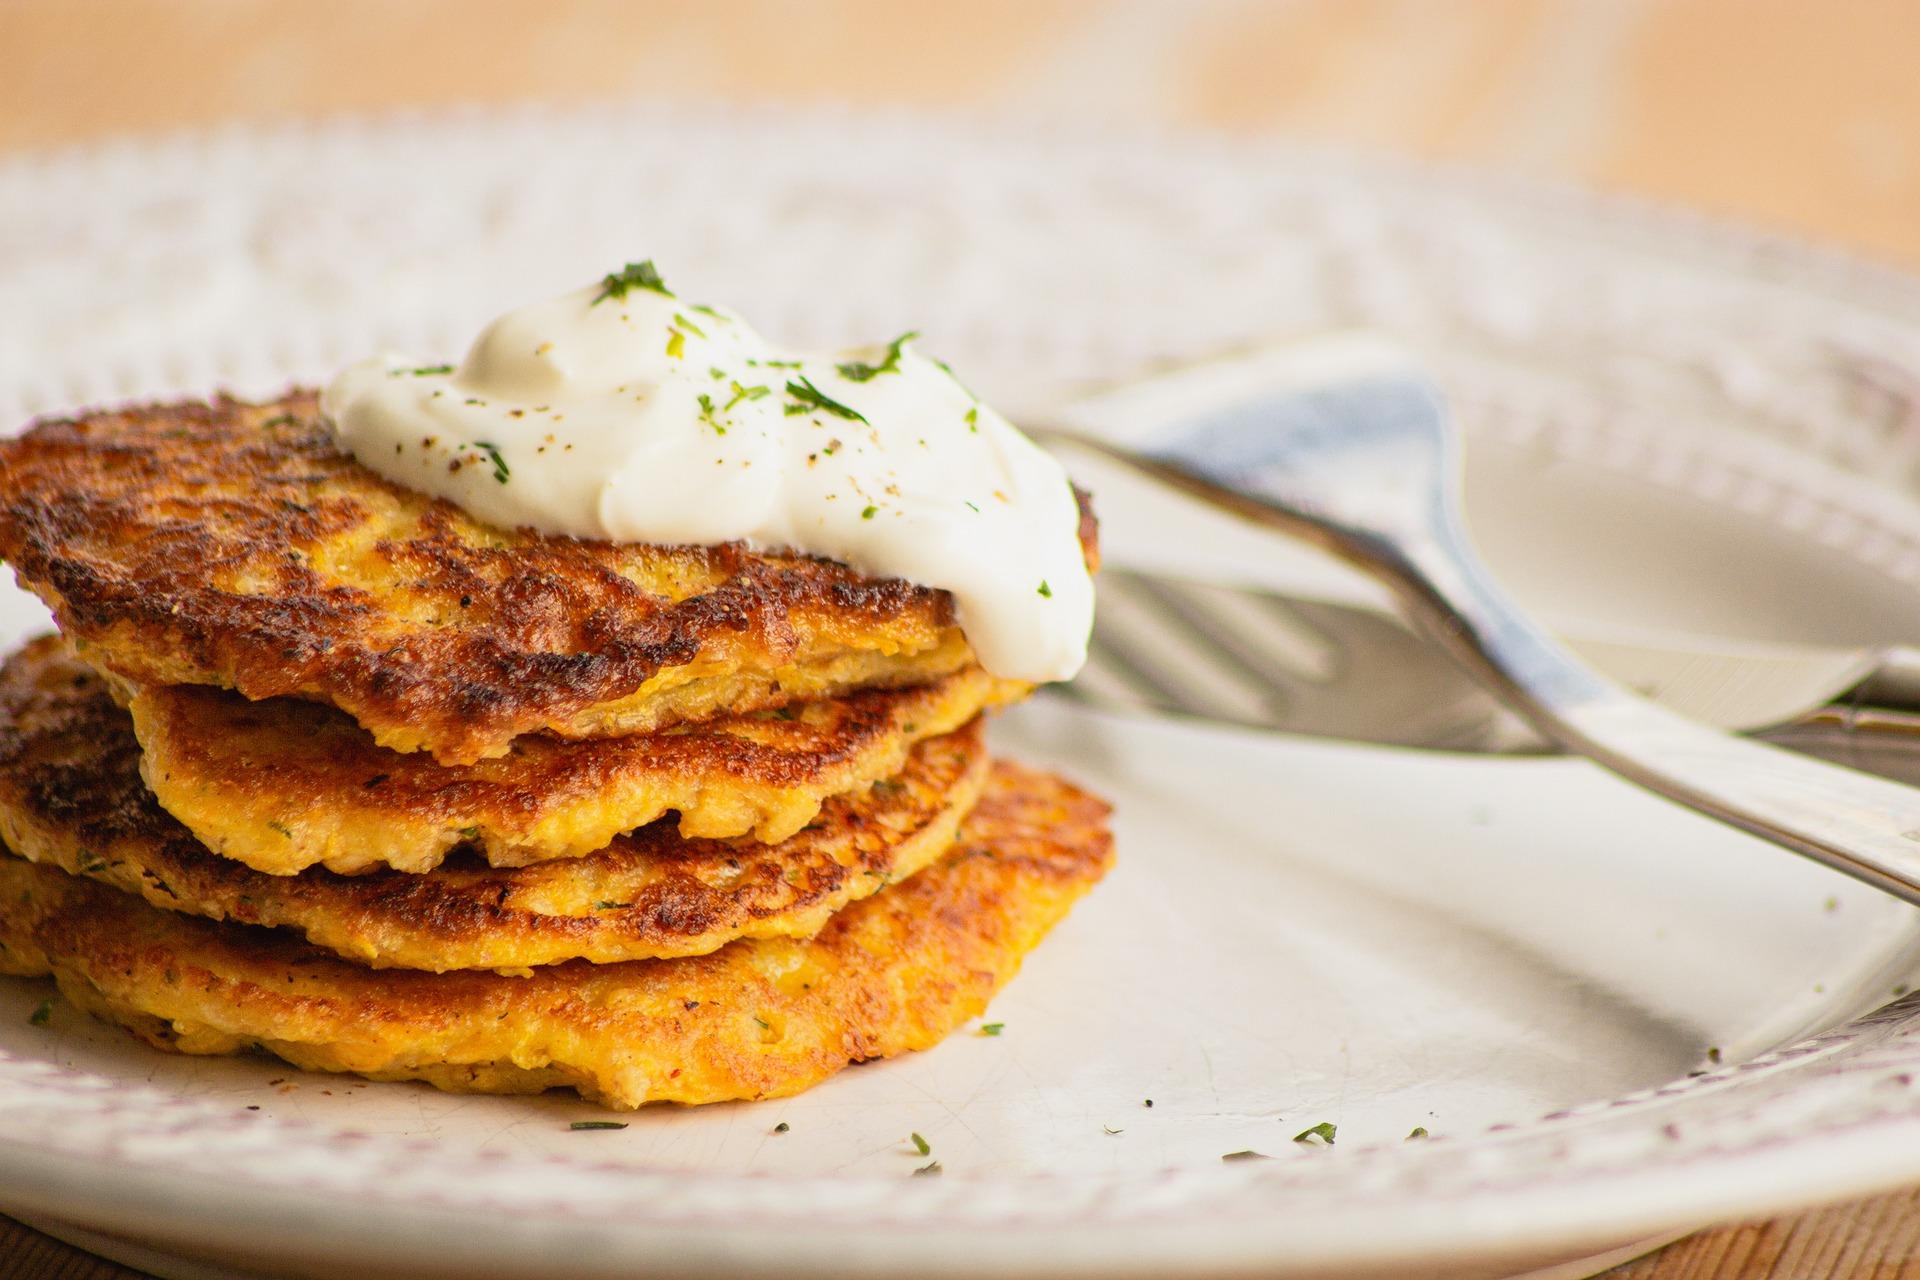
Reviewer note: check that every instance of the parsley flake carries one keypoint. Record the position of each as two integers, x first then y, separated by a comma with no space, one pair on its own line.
745,393
706,414
1244,1155
635,275
500,472
424,371
1046,590
782,1127
579,1125
855,371
689,325
870,512
811,397
39,1017
920,1144
992,1028
1324,1131
1419,1131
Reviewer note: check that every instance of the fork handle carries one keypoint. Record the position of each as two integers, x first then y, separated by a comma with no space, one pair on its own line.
1865,826
1854,822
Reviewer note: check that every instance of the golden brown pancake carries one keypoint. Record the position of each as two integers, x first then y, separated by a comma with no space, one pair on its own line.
756,1019
283,785
232,544
71,796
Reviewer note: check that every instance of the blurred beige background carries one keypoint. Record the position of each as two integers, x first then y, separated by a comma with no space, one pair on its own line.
1802,115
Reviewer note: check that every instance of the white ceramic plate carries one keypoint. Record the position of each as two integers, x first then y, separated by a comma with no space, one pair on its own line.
1674,427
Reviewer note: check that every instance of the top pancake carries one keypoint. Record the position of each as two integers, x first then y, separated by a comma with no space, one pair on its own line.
233,544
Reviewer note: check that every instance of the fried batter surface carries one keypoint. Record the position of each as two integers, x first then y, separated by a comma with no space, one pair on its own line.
71,796
756,1019
232,544
284,785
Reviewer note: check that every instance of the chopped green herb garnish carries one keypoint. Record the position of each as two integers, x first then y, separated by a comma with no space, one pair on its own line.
689,325
782,1127
1324,1131
40,1016
854,371
1832,904
1046,590
948,370
500,472
1713,1053
931,1169
1419,1131
870,512
812,397
706,414
992,1028
920,1144
715,372
1149,1102
676,343
424,371
1245,1155
972,507
775,364
764,1024
280,827
611,906
706,310
635,275
578,1125
745,393
973,419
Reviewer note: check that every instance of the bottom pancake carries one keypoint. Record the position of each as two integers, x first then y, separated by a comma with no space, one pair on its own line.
756,1019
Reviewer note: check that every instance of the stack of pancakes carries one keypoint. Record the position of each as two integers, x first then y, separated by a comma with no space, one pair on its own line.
323,767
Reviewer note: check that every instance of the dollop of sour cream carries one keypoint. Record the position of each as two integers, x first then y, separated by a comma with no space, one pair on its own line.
621,412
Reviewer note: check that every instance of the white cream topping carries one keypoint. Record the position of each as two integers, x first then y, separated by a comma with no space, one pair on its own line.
620,412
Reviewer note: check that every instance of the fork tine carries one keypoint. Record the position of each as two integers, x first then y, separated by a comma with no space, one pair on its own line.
1257,659
1154,653
1268,643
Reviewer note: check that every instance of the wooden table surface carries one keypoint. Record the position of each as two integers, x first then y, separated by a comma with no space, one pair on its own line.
1798,114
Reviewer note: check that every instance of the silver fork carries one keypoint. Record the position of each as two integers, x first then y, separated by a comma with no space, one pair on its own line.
1361,459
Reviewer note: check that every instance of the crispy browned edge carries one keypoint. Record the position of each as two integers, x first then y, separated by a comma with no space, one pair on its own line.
71,796
893,973
282,784
131,524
